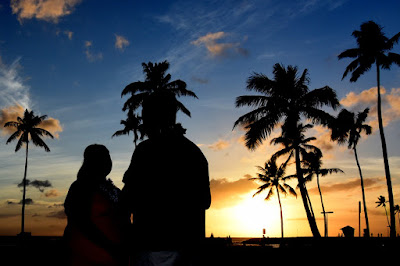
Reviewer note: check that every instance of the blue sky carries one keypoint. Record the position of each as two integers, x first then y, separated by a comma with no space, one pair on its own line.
70,59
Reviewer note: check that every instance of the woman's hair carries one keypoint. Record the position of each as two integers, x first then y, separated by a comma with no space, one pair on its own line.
96,164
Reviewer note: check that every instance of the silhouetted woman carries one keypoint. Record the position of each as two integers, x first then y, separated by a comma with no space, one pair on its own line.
96,225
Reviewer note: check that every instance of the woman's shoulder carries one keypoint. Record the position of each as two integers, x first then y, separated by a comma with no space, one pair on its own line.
109,190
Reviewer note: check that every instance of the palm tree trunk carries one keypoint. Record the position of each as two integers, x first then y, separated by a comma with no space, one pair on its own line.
24,193
280,206
323,208
385,159
303,192
363,193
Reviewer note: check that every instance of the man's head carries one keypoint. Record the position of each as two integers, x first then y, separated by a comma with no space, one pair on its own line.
159,112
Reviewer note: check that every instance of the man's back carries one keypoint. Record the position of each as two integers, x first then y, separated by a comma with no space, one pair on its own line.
167,187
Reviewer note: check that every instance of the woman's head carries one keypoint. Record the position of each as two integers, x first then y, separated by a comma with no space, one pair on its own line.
96,164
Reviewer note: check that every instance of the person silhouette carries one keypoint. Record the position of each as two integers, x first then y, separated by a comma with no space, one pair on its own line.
166,188
96,224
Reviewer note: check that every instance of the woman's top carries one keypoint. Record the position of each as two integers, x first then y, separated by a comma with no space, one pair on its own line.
96,225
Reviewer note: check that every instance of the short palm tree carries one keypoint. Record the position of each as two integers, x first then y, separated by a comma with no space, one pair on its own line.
312,163
296,146
373,48
272,177
27,129
382,202
132,123
397,211
156,79
285,98
348,128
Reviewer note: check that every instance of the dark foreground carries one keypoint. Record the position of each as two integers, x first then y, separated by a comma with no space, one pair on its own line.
273,251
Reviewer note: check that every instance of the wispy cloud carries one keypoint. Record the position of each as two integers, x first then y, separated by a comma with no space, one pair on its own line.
215,48
92,57
15,98
13,91
47,10
121,42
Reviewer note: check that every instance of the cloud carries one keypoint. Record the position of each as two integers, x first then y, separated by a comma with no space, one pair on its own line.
349,185
216,49
90,55
28,201
199,80
41,185
58,214
219,145
226,193
368,98
12,89
121,42
11,113
53,193
69,34
47,10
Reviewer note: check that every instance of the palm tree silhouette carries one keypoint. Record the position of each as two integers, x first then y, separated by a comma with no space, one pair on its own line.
288,98
312,162
272,177
156,79
132,123
373,47
26,130
397,211
348,128
296,145
382,202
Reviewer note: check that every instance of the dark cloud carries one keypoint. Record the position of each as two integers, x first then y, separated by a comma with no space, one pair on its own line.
227,193
28,201
58,214
41,185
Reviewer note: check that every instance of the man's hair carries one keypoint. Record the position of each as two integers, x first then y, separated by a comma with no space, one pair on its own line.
159,111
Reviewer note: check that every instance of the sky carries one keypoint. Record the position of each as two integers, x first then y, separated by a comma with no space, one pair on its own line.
70,60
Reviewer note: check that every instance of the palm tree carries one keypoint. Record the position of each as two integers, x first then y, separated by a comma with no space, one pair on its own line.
373,47
348,128
397,211
296,145
272,177
26,130
285,98
132,123
382,202
156,79
313,164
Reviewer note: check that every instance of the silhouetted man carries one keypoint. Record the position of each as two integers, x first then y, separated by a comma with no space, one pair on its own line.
166,187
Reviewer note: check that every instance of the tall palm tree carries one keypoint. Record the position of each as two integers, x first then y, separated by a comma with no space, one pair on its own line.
296,145
312,164
272,177
348,128
382,202
285,98
27,129
373,47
